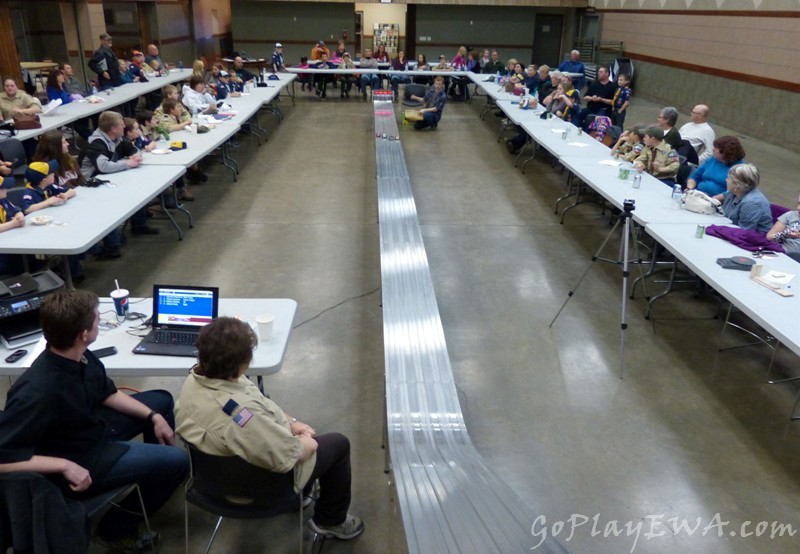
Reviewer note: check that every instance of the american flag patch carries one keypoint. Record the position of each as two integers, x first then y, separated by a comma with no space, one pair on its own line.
243,417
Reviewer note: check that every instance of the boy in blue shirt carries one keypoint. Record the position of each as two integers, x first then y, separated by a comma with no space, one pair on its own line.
42,191
622,98
11,217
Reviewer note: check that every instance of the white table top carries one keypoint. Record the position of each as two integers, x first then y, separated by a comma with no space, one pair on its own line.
198,146
91,214
653,199
778,315
267,357
68,113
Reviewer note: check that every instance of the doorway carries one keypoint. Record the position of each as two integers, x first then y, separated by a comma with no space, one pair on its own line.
547,39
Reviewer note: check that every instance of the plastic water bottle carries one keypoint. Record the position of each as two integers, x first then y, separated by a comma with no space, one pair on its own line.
180,64
637,180
677,194
497,78
263,74
94,90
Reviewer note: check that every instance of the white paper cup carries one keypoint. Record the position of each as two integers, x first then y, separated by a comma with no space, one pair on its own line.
265,325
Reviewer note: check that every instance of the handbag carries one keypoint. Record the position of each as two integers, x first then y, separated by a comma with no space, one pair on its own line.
7,129
27,121
700,203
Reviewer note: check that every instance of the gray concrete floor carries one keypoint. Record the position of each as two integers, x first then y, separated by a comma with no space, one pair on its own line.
688,433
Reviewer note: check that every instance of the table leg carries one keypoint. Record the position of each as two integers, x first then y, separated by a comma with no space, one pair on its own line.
67,273
168,214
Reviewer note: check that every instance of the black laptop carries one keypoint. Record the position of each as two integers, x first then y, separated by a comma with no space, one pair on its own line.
179,312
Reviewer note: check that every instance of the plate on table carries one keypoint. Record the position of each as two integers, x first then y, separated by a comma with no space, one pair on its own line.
161,151
41,220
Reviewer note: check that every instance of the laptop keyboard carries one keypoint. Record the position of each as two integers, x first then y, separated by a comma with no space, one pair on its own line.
162,336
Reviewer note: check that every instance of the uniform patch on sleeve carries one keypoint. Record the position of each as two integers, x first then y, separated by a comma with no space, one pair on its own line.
243,417
229,406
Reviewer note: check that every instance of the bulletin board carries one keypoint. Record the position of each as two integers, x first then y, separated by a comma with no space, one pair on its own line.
388,34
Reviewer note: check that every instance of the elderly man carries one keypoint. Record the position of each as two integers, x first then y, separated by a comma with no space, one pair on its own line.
73,85
574,65
104,62
599,96
699,133
64,418
667,118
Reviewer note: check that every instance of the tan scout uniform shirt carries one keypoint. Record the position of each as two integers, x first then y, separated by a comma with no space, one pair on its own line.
665,156
21,101
265,439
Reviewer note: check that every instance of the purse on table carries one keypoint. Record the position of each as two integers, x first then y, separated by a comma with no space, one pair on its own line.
700,203
27,121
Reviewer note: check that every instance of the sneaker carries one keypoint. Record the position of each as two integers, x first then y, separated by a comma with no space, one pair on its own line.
308,500
144,230
139,544
186,195
350,528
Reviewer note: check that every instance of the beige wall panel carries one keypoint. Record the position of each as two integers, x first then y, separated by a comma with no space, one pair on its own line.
694,5
758,45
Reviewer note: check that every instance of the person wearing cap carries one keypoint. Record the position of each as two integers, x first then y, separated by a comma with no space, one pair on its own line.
225,87
277,58
136,68
105,64
319,49
658,158
41,189
371,79
349,79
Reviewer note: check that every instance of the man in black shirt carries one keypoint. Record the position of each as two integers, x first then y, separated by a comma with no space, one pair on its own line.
65,418
599,96
104,62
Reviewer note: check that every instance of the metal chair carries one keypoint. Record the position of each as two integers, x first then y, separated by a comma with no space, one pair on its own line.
12,150
228,486
31,503
413,90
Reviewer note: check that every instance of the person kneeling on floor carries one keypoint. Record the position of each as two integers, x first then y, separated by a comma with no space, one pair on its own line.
434,100
222,413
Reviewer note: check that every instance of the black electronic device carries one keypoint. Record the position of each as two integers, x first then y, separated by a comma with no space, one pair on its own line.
16,356
103,352
19,313
737,262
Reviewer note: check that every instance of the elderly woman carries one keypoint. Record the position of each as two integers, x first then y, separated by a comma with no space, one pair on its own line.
787,230
667,118
222,413
711,177
743,203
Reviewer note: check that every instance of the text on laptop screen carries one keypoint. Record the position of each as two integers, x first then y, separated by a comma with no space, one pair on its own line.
185,307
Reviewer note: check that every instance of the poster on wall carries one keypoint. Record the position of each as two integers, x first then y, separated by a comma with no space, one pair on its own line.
388,34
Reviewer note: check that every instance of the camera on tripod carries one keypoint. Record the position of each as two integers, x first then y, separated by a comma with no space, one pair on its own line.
628,205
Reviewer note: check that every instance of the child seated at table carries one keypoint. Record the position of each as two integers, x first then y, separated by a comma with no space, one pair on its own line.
135,138
42,190
322,79
346,80
170,92
226,88
629,145
304,78
658,158
147,124
171,117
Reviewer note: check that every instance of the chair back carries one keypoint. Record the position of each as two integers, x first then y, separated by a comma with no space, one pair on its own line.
231,487
12,150
15,195
776,210
688,153
413,90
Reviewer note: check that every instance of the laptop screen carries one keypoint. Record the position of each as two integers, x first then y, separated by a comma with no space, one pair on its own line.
184,306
